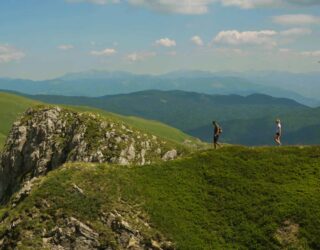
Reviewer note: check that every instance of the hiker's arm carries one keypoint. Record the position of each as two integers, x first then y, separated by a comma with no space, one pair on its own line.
216,131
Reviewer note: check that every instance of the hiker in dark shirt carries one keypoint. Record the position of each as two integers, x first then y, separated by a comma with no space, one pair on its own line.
216,135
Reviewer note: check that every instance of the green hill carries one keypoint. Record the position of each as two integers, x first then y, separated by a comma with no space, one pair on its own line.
12,106
233,198
246,120
183,110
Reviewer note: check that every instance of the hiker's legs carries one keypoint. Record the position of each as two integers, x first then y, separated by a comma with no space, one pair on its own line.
215,142
277,139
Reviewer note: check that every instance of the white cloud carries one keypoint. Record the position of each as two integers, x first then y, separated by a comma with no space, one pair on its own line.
234,37
65,46
231,51
284,50
249,4
166,42
296,32
310,53
302,2
197,40
198,7
105,52
140,56
192,7
9,53
100,2
315,53
299,19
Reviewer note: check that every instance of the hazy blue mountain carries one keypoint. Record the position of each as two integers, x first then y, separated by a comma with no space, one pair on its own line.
302,87
306,84
246,120
98,83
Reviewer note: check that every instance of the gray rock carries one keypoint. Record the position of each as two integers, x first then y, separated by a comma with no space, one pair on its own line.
23,193
158,151
76,188
46,138
123,161
170,155
142,155
73,235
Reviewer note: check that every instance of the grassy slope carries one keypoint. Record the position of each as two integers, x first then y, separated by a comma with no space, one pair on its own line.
150,126
234,198
12,106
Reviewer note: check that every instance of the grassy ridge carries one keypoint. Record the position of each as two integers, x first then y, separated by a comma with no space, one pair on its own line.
12,106
234,198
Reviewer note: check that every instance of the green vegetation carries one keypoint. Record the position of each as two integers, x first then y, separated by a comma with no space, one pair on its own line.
246,120
233,198
12,106
149,126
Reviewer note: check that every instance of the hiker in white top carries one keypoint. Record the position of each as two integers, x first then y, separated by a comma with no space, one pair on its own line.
277,137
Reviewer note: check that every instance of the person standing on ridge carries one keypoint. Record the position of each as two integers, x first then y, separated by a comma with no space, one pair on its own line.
216,135
277,137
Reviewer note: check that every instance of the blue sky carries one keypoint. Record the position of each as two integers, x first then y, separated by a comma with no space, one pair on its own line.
41,39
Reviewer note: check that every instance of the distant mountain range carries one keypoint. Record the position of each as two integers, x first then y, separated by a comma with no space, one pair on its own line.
304,88
245,120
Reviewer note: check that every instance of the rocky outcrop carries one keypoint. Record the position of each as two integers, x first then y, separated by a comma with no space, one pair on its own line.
45,138
126,230
72,235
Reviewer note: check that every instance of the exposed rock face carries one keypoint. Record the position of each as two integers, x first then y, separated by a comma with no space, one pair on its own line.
45,138
130,231
23,192
74,235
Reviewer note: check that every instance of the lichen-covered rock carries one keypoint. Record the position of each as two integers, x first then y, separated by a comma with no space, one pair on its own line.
23,192
126,230
170,155
45,138
73,235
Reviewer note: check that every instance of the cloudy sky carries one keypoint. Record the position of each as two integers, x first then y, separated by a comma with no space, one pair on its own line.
41,39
